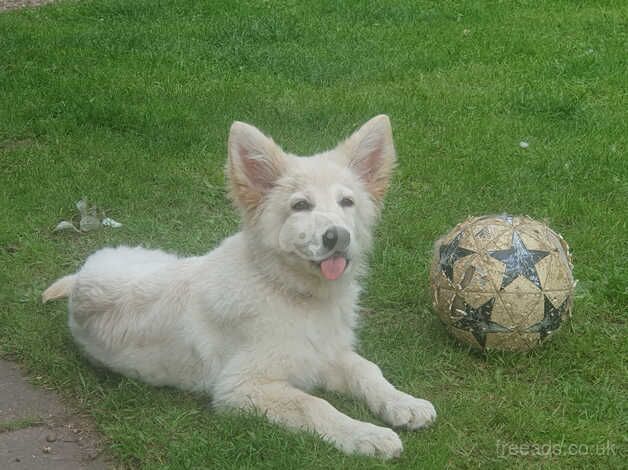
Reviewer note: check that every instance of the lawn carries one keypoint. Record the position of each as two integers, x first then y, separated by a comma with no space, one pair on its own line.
129,102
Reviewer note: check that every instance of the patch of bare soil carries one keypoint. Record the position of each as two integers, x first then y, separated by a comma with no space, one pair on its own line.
39,431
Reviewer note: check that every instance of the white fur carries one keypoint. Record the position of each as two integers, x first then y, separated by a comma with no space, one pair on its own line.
253,322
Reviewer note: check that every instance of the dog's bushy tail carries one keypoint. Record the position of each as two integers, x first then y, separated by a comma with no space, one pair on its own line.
59,289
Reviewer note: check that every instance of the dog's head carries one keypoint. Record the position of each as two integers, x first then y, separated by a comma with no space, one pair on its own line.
314,214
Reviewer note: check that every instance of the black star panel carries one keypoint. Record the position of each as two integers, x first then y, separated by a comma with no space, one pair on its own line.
450,253
478,320
551,318
519,261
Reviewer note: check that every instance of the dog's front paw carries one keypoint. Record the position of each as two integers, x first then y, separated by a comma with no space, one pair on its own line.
371,440
405,411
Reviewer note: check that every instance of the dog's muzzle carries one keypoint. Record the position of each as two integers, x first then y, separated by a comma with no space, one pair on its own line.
320,239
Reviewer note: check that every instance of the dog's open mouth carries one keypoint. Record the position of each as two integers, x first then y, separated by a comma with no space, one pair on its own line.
333,267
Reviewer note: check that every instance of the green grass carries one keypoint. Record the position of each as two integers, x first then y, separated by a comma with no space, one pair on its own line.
129,103
17,424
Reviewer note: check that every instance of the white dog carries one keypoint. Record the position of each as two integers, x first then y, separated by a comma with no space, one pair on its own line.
271,312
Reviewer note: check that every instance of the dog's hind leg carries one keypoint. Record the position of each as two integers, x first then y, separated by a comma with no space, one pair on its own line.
59,289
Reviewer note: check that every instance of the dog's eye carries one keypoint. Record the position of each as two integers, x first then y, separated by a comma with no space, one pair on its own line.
301,205
346,202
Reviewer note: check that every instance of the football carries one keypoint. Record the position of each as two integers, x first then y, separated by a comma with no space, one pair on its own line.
502,282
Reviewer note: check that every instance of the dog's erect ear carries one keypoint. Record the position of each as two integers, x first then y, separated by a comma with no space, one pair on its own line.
371,154
255,162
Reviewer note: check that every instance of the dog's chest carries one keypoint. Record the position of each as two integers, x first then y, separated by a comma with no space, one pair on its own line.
305,339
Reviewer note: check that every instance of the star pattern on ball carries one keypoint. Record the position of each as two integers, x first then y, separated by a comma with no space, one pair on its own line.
519,261
450,253
484,232
551,318
503,217
477,320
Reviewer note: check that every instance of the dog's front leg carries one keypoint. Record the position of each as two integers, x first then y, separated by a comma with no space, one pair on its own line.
356,376
284,404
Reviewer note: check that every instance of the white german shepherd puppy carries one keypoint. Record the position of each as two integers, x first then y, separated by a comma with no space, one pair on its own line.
271,312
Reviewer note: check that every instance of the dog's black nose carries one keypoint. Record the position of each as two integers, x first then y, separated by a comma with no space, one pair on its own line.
336,238
330,237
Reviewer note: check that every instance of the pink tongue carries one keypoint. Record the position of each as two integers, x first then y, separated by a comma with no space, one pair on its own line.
332,268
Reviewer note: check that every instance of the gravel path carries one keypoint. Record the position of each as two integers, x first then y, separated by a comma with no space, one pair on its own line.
38,431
